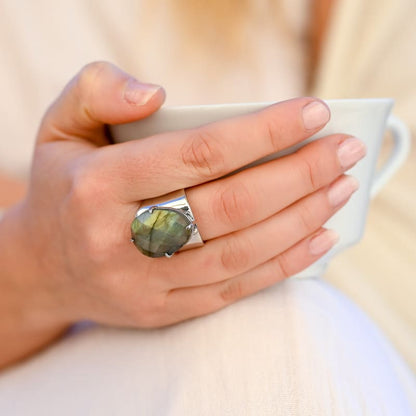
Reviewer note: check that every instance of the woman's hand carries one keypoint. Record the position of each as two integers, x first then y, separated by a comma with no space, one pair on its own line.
12,190
260,225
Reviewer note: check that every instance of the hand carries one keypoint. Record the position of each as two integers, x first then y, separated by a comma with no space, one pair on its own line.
12,190
260,225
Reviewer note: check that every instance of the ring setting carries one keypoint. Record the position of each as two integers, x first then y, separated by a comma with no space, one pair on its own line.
165,225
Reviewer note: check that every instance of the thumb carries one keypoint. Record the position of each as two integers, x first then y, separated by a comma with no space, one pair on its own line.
99,94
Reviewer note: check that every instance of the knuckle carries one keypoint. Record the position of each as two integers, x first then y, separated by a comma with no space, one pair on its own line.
308,172
151,313
83,201
274,132
284,267
89,73
97,249
304,218
233,204
232,291
236,255
86,189
85,85
202,155
88,237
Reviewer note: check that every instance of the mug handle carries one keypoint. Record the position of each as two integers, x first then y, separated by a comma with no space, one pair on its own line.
401,148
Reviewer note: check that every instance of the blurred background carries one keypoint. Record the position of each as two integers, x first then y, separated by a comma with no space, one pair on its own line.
237,51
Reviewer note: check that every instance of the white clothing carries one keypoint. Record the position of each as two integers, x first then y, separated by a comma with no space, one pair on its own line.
299,348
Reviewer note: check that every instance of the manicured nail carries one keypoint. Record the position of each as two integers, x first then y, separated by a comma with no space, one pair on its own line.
323,242
342,189
315,114
350,151
138,93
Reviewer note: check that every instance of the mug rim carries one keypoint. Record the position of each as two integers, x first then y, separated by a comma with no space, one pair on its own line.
355,101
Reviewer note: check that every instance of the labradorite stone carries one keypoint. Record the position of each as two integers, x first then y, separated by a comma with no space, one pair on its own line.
162,231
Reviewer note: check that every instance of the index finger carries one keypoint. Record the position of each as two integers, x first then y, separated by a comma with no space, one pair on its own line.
163,163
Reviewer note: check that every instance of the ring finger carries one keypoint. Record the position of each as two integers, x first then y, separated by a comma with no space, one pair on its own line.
235,253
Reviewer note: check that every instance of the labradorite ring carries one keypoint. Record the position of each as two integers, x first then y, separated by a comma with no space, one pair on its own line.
165,225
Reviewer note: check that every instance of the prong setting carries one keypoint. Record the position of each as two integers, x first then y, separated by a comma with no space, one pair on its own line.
170,229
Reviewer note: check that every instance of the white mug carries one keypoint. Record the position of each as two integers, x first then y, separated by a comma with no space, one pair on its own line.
366,119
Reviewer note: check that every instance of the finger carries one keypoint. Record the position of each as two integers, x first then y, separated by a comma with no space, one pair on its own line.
99,94
190,302
236,202
170,161
235,253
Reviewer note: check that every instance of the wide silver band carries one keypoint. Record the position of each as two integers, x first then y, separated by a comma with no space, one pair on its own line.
175,201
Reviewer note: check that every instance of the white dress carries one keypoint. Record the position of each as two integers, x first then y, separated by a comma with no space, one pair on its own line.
298,348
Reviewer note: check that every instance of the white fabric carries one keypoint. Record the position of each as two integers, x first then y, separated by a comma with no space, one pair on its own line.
299,348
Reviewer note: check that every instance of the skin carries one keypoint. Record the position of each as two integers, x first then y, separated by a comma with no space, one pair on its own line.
12,190
66,253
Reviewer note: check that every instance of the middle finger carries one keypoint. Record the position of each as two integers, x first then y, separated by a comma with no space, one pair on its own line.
230,204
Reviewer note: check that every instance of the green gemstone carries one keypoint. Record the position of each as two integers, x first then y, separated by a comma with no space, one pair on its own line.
160,232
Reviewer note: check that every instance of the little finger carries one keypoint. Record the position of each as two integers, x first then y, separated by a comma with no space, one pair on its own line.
185,303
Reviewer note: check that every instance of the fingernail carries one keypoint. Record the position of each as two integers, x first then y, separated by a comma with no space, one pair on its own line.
323,242
342,189
350,151
138,93
315,114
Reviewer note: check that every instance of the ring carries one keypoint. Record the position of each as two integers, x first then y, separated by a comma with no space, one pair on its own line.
165,225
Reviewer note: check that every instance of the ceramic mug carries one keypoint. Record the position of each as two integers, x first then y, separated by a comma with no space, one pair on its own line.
367,119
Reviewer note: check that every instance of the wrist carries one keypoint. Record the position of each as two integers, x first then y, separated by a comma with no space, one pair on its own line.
29,309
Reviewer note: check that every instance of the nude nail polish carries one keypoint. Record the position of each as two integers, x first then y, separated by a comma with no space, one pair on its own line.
323,242
350,151
315,114
342,189
138,93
